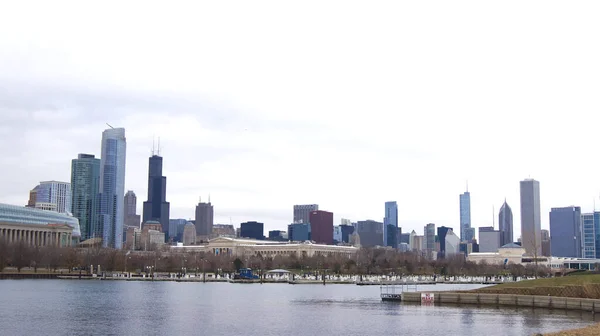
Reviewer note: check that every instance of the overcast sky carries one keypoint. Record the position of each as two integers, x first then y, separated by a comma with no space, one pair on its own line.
345,104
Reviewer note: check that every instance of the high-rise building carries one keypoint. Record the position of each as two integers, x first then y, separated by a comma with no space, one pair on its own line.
347,230
156,207
565,232
55,196
276,235
132,219
252,230
302,212
505,220
590,223
531,224
370,233
299,232
85,180
451,244
546,243
442,231
321,226
176,228
429,237
189,234
204,221
489,239
32,197
112,188
465,216
390,225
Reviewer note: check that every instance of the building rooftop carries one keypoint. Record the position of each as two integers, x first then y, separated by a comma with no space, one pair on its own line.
15,214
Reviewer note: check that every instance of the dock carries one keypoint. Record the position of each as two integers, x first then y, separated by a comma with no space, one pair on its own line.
394,292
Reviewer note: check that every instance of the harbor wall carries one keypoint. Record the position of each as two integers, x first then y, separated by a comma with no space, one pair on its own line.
532,301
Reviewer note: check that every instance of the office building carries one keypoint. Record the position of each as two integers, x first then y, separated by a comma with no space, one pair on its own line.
252,230
299,232
546,246
32,197
54,196
204,221
189,234
277,235
465,216
321,227
370,233
390,225
156,207
417,243
112,188
505,220
176,227
565,231
429,238
451,244
132,238
223,230
346,230
530,217
489,239
132,219
442,231
589,223
85,181
302,212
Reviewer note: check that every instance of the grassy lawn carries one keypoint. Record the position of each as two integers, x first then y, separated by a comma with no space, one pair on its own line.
552,282
593,330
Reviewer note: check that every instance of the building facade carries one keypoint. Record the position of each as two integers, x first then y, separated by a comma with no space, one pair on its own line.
299,232
321,227
156,207
565,232
85,180
505,220
204,221
531,225
226,230
442,231
346,230
132,219
451,244
390,225
590,230
302,212
112,188
252,230
370,233
37,227
489,239
54,196
429,238
189,234
465,216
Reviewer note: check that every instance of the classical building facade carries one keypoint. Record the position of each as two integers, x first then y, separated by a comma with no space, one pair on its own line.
37,227
266,248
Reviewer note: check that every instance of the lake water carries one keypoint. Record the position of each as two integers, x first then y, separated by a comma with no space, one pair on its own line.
80,307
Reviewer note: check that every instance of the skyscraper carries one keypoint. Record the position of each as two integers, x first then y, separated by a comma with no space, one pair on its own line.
112,188
590,223
465,216
429,239
565,232
302,212
253,230
204,221
132,219
85,179
156,207
489,239
370,233
505,220
530,217
321,226
54,196
441,233
390,225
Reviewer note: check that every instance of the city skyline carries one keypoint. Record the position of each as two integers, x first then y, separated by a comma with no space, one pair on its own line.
404,126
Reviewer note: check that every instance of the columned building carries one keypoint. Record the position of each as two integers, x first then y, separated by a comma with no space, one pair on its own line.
37,227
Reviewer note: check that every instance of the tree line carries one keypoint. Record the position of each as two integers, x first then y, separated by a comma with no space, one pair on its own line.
19,256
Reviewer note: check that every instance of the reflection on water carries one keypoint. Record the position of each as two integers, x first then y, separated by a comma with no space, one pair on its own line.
72,307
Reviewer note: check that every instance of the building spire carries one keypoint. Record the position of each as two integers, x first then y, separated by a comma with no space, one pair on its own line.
467,183
209,198
152,145
158,147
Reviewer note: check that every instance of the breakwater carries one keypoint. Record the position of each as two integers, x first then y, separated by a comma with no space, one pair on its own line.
531,301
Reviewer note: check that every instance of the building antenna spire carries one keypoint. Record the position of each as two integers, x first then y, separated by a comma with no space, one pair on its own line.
467,185
493,217
208,197
158,146
153,145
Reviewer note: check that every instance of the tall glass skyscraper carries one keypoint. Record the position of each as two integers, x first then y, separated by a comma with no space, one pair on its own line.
588,234
390,224
465,217
565,227
531,225
85,179
112,188
505,220
54,196
157,207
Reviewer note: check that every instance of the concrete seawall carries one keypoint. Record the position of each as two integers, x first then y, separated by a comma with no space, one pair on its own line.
533,301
